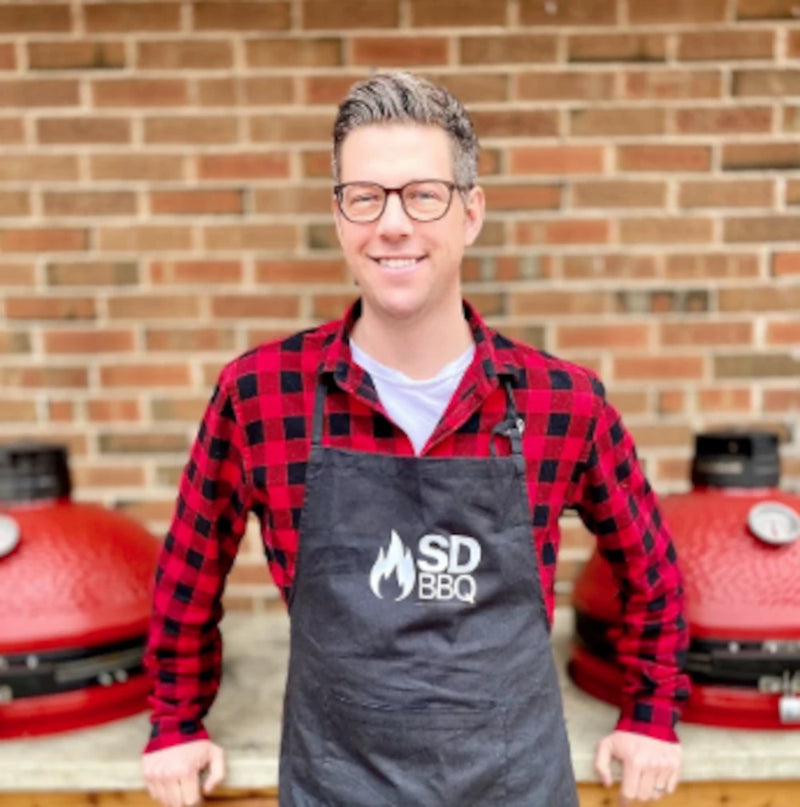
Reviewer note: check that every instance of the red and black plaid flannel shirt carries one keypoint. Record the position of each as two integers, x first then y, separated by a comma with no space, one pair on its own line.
250,455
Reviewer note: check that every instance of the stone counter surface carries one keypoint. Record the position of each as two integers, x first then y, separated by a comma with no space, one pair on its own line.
245,720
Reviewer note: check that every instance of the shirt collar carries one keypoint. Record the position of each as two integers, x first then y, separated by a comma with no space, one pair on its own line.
495,357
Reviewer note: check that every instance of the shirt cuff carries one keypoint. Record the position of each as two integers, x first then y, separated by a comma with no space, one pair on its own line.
652,720
167,733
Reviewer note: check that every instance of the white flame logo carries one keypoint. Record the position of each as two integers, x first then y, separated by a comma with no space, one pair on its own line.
397,560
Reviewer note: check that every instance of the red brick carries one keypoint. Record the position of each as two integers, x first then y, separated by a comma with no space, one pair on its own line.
466,12
8,56
562,231
505,48
660,368
103,340
18,18
671,12
60,411
669,84
671,401
83,130
137,167
242,16
711,266
39,92
251,236
791,118
781,400
705,333
300,270
617,121
327,89
618,193
783,333
197,271
731,120
47,239
150,374
331,306
556,160
15,342
661,301
472,88
661,435
245,91
44,378
759,298
15,203
128,17
11,131
17,274
293,199
147,443
722,45
571,337
666,230
613,47
725,399
32,308
178,54
793,43
290,128
236,306
288,53
664,158
139,92
154,306
752,82
350,14
190,339
197,202
89,203
144,237
515,123
84,55
245,165
92,273
19,411
786,264
754,366
763,155
564,85
522,196
766,10
761,228
740,193
189,410
606,266
587,12
411,51
549,303
101,476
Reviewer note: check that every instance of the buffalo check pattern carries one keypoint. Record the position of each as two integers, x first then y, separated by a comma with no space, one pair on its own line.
250,456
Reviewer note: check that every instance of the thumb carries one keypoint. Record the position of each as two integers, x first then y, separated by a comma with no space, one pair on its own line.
602,761
216,769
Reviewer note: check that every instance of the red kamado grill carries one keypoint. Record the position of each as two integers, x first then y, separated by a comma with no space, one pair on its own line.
736,535
75,582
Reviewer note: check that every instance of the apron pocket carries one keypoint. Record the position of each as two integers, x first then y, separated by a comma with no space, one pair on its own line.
443,754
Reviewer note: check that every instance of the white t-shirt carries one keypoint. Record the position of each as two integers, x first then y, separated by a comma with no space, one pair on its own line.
415,406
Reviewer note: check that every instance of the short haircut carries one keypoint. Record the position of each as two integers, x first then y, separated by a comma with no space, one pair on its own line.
398,97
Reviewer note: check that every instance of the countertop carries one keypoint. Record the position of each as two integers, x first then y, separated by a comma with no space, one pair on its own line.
245,720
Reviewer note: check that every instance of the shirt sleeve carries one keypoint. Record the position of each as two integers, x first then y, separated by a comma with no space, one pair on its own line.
184,647
618,505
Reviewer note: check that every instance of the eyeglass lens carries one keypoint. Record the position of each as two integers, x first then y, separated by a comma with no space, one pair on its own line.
425,201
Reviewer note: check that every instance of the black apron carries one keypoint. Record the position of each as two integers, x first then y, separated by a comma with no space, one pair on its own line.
420,672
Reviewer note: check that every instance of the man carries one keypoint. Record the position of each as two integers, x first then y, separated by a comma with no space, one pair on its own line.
408,466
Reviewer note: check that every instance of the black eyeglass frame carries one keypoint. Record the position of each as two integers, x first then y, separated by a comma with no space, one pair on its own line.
451,187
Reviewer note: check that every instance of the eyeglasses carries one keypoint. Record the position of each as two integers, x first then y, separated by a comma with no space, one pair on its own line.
422,199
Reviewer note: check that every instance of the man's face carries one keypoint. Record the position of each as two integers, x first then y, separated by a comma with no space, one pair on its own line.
405,269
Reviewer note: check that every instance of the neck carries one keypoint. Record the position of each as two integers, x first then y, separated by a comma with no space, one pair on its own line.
417,347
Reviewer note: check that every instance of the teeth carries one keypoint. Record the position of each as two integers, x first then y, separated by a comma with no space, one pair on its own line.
397,263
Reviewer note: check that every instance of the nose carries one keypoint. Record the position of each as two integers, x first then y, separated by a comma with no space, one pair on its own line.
394,222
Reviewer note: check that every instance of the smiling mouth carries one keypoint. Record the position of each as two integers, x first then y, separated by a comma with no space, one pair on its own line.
397,264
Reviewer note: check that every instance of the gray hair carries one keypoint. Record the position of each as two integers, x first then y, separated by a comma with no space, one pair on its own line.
401,96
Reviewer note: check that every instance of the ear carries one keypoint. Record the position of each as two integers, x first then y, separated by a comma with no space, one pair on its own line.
337,218
475,210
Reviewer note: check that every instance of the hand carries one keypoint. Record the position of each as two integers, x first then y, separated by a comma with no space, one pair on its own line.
650,768
172,775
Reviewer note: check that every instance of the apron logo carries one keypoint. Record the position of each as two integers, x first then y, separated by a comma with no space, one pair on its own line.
442,572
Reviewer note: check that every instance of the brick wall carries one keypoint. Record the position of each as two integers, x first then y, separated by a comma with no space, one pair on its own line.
164,204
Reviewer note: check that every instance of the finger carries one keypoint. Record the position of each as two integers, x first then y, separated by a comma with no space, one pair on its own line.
216,769
647,785
672,780
631,774
190,790
171,793
602,763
